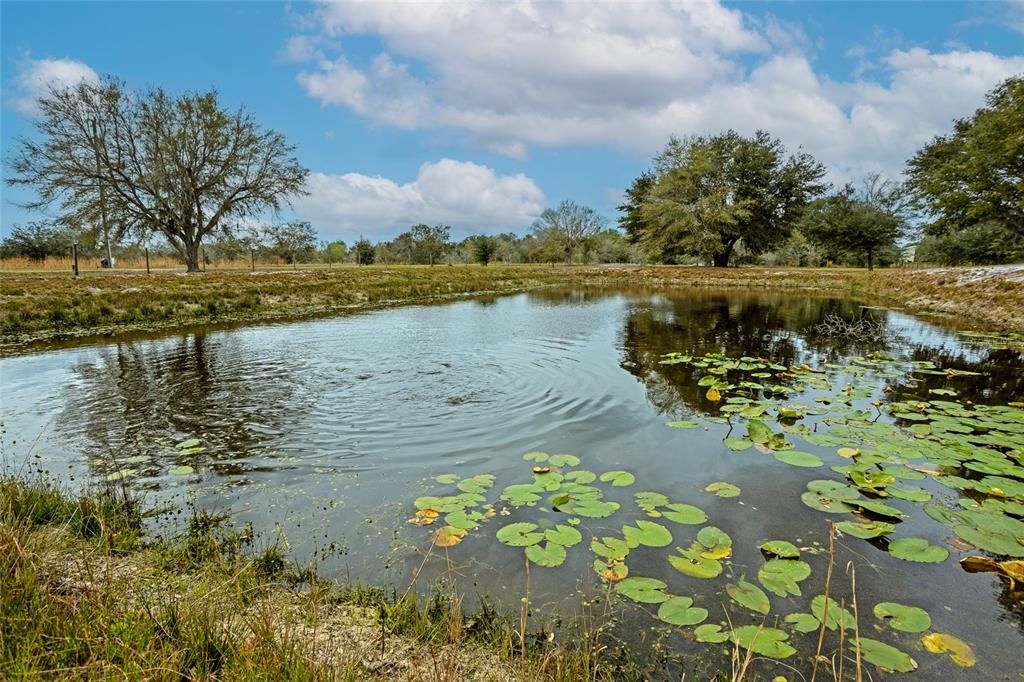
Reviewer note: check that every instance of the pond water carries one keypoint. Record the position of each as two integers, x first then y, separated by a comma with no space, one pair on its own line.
323,434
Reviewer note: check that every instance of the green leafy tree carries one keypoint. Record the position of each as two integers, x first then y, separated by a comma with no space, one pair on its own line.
149,161
429,243
36,241
632,218
365,253
484,248
569,225
714,192
867,222
335,252
976,173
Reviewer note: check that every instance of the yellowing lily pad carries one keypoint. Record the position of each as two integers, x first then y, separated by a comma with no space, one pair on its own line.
446,536
723,489
959,651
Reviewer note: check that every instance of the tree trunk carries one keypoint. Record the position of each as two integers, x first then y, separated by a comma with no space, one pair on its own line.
721,260
871,264
192,257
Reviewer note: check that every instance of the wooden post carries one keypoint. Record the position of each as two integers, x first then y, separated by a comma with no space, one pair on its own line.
147,260
252,254
74,258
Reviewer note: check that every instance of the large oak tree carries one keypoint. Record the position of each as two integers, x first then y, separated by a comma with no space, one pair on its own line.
152,162
715,192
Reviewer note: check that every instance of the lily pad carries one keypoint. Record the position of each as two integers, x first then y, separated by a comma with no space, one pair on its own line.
798,458
780,576
681,611
867,529
564,460
182,470
186,444
644,590
691,563
834,616
715,542
828,496
566,536
917,549
769,642
446,536
803,622
521,534
781,549
612,571
886,656
683,425
903,618
446,479
959,651
997,543
618,478
650,501
875,507
647,533
610,548
549,555
686,514
723,489
738,444
536,457
758,432
710,634
749,595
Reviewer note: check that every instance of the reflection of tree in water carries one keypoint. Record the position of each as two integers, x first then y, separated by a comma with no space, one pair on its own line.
775,327
561,296
139,398
1001,380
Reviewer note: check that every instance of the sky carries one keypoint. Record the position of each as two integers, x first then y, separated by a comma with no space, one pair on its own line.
481,114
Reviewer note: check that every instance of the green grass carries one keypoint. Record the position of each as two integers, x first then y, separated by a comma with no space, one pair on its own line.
35,306
85,593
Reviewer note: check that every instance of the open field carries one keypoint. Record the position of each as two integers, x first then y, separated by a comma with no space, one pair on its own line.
35,306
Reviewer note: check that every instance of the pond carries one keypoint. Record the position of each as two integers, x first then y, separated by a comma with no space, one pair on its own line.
331,434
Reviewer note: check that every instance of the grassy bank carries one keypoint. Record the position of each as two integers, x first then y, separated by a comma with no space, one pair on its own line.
42,306
85,593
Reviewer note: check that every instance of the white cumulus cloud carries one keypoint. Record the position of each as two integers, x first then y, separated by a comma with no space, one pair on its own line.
468,196
35,77
520,74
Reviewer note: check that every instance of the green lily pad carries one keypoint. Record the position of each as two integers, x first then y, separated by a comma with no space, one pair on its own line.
686,514
798,458
520,534
549,554
908,493
780,576
875,507
750,596
581,476
758,432
710,634
902,617
644,590
917,549
182,470
446,479
121,474
536,457
647,533
521,494
683,425
650,501
781,549
564,460
738,444
885,656
769,642
618,478
803,622
997,543
867,529
836,615
691,563
828,496
463,520
723,489
716,543
610,548
186,444
594,509
566,536
681,611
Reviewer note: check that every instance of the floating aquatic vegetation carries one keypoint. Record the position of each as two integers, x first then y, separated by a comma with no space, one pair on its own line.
723,489
959,651
749,595
902,617
681,611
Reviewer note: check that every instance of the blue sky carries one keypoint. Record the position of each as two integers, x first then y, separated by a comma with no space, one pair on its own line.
480,115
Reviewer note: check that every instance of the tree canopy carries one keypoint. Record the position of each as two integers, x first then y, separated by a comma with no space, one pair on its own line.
149,161
571,225
975,174
714,192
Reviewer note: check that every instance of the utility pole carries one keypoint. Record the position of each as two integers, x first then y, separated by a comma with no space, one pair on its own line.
103,195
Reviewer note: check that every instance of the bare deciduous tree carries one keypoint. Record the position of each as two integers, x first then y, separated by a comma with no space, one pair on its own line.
148,162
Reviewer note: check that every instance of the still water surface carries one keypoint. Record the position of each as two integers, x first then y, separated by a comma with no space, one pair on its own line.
323,432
